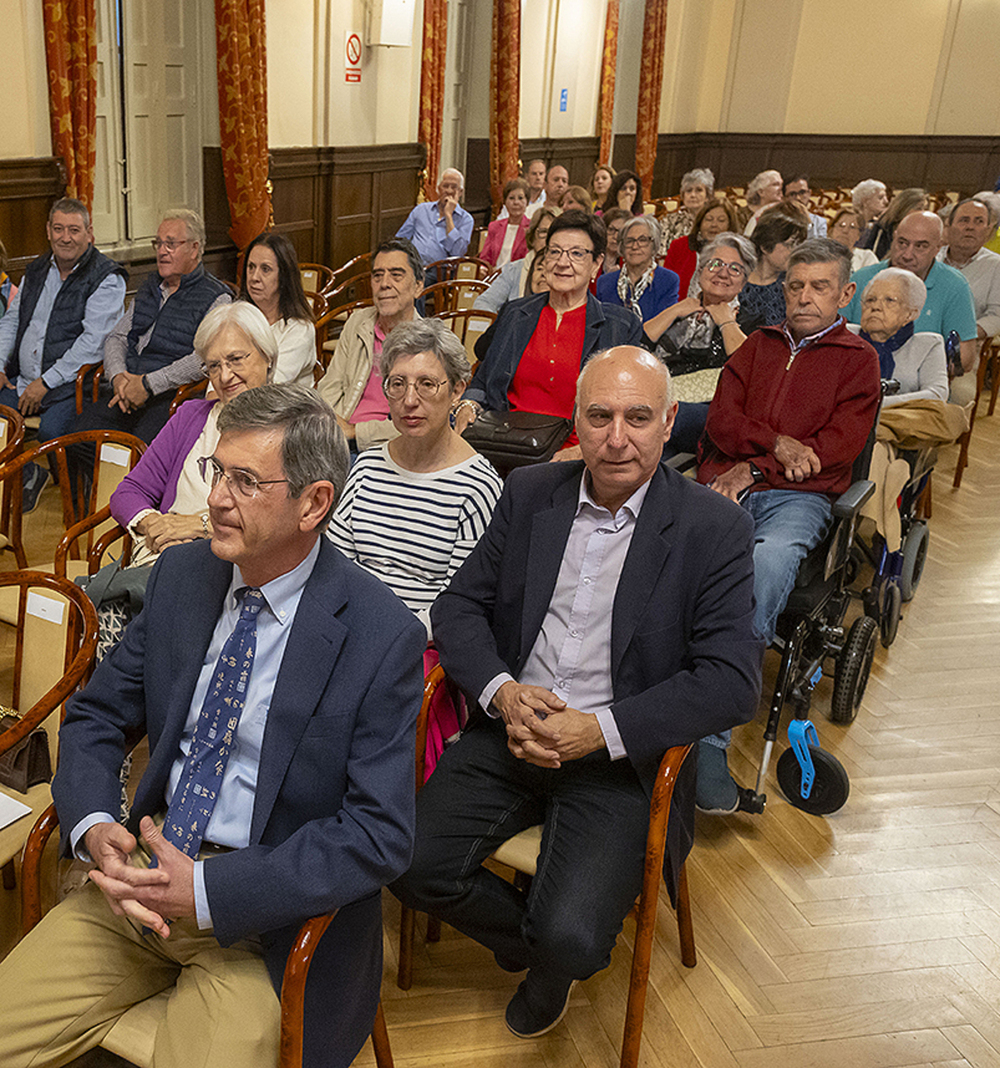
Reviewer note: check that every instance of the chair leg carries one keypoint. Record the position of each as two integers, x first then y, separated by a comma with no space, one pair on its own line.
404,974
380,1040
9,878
433,929
995,384
685,929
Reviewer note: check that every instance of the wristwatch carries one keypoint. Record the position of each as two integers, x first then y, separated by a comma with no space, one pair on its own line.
758,475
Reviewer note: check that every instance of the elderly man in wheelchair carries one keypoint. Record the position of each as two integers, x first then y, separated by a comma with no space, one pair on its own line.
793,409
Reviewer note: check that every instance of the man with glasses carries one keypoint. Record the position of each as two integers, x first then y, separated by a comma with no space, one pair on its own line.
797,189
278,686
531,355
150,352
792,411
68,302
352,385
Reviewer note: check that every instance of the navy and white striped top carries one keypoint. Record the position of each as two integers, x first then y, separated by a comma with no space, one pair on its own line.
414,529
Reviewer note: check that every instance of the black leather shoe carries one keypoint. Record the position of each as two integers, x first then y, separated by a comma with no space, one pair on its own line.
539,1005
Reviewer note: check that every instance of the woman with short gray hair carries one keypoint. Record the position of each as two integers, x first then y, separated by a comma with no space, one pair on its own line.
640,285
414,509
697,188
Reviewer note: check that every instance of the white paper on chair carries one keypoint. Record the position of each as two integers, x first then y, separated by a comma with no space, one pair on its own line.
115,454
45,607
11,810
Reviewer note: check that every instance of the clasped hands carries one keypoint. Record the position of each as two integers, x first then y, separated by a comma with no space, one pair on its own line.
542,729
163,530
150,896
129,392
799,461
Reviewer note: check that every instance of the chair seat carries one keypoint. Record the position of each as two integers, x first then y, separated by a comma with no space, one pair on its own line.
521,851
133,1035
9,594
12,837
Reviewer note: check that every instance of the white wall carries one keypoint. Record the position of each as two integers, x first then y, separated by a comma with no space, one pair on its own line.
24,119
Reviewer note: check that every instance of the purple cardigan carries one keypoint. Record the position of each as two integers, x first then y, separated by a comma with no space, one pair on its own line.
152,483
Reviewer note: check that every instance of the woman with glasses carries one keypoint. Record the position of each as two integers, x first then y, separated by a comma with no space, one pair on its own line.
715,217
272,282
163,500
413,509
532,354
640,285
846,229
697,335
776,234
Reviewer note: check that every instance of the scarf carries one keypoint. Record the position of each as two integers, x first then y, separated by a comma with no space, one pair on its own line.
887,349
699,327
630,295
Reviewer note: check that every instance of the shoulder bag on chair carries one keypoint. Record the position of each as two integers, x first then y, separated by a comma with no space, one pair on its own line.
515,439
28,763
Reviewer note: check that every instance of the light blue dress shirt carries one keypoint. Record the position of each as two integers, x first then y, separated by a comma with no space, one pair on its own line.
427,228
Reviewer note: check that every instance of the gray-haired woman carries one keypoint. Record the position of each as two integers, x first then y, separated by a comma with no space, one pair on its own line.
640,285
697,187
413,510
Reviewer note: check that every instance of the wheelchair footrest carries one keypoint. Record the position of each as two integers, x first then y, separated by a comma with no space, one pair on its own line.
751,801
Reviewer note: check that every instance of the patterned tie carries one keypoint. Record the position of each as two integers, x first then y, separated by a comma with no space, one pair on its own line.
196,793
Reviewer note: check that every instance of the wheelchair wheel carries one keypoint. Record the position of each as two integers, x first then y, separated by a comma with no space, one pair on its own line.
853,667
914,557
830,787
892,606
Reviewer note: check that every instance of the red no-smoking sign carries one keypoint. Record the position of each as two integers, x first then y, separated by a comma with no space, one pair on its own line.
352,57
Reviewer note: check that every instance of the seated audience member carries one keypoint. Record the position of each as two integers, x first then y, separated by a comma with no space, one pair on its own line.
625,192
576,198
697,189
713,218
566,733
506,239
698,334
556,183
785,456
163,500
253,831
414,508
150,352
352,385
70,298
272,282
614,220
878,236
846,229
600,183
890,304
869,200
915,245
970,224
530,357
797,189
440,228
535,177
515,279
762,302
640,285
763,192
7,288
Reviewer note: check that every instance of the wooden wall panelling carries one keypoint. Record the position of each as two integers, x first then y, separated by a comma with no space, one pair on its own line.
28,186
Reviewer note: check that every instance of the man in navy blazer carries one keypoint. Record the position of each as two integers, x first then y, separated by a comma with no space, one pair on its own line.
314,812
605,616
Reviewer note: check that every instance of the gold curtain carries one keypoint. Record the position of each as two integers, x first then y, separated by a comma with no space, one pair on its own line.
71,59
505,96
647,129
435,46
609,62
242,76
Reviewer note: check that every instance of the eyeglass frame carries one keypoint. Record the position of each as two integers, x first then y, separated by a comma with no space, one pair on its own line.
407,383
231,363
171,246
575,254
735,267
219,473
635,242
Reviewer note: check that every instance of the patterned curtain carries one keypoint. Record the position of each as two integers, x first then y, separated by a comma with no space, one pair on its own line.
242,75
647,129
609,63
505,96
432,62
71,58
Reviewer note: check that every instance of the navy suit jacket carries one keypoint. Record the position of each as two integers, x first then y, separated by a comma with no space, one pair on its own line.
334,810
685,660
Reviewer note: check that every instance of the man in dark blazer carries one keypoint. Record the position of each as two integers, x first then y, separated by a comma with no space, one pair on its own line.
313,813
605,616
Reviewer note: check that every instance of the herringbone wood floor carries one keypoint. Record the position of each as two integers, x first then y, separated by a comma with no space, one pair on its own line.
870,938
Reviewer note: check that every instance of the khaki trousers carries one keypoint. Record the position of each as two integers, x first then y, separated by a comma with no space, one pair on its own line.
66,983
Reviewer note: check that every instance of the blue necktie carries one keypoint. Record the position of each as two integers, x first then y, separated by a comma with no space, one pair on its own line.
214,733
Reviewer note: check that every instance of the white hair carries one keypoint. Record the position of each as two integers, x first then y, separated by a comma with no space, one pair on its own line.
913,287
652,226
864,191
453,170
699,176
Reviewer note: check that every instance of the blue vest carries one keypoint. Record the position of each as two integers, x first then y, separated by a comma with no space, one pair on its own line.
174,324
68,310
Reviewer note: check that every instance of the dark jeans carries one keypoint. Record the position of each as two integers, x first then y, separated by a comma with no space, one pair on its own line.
595,814
56,419
145,422
688,428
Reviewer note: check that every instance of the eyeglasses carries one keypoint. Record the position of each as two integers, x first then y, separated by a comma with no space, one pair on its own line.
240,482
231,363
576,255
170,246
638,242
845,225
715,266
889,302
397,387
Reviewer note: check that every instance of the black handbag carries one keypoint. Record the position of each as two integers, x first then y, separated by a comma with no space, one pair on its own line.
27,764
515,439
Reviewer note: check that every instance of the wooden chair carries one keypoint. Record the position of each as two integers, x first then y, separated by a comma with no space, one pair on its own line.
186,393
457,295
357,287
459,267
993,372
521,853
315,276
985,358
133,1035
334,319
12,432
469,326
54,643
95,372
358,265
